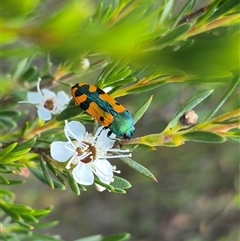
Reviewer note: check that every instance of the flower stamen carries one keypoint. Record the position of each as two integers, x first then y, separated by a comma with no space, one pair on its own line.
116,156
38,88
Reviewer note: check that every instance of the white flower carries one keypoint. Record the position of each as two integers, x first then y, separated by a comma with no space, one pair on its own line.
47,102
86,153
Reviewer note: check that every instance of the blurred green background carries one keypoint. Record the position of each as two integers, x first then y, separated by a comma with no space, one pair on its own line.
196,197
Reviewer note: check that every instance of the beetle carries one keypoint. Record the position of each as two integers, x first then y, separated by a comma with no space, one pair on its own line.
105,109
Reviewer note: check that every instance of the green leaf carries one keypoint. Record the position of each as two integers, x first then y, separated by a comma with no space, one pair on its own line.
120,183
10,114
106,13
138,167
21,209
7,124
25,146
39,213
140,87
144,88
188,106
179,31
106,71
115,74
226,95
22,67
184,11
91,238
69,112
97,15
8,149
60,178
119,191
18,13
4,169
3,180
15,182
41,177
118,237
117,68
52,168
72,183
10,212
113,79
16,165
203,136
6,193
26,225
224,9
107,186
46,225
40,237
166,10
18,152
29,218
14,156
137,116
46,173
234,139
210,10
122,82
30,74
170,38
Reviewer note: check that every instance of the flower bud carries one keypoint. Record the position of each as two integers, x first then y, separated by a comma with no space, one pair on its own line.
188,118
85,64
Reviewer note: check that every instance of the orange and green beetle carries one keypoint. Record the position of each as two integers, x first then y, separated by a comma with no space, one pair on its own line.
106,110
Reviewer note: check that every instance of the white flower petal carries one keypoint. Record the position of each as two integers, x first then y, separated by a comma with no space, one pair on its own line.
59,152
62,98
83,175
103,170
99,187
60,102
34,98
44,114
48,93
75,130
103,141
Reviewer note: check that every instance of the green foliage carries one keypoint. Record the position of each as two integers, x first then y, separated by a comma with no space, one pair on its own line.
117,186
120,183
117,237
203,136
142,110
133,47
115,74
139,168
48,180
